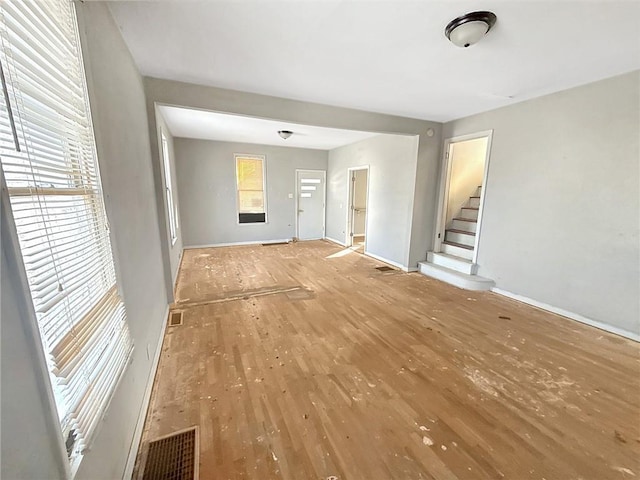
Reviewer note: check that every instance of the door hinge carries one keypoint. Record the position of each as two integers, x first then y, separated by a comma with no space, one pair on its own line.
446,155
351,234
438,235
353,179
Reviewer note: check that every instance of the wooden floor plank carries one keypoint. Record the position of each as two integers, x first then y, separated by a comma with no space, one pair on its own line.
303,361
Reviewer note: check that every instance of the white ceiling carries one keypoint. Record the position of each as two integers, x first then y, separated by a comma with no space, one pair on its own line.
385,56
205,125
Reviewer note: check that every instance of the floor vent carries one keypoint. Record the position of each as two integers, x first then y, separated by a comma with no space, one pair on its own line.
385,269
175,318
173,457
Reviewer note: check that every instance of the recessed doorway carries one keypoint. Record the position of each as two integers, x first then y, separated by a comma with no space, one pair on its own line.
462,195
358,200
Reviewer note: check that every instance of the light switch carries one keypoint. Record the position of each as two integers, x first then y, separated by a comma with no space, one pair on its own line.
291,195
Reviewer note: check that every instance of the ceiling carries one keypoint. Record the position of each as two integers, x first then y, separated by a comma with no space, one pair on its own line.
383,56
205,125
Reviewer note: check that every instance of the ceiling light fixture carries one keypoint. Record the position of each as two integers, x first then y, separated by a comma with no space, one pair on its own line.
468,29
285,133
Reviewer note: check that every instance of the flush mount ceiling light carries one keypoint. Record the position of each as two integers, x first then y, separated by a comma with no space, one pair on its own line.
468,29
285,133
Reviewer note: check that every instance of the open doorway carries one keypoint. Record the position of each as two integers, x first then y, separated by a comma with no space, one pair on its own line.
358,200
462,195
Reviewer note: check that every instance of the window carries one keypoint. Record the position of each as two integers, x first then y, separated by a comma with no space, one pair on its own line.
48,157
250,183
171,210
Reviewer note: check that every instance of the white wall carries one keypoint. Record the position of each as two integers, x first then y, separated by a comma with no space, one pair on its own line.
174,249
424,187
467,171
392,174
207,190
561,214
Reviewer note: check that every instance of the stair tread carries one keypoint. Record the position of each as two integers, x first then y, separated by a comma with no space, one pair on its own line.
456,230
461,245
466,219
453,257
475,278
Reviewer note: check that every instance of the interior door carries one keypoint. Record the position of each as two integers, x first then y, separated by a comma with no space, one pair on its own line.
311,200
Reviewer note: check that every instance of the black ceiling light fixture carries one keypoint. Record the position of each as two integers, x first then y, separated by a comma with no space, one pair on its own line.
468,29
285,133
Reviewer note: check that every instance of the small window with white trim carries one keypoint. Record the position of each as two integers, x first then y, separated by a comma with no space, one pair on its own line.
250,189
172,212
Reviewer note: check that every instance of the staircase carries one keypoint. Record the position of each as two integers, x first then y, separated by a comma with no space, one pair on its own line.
453,264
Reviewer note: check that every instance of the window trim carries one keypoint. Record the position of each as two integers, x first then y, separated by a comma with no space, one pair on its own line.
170,203
237,156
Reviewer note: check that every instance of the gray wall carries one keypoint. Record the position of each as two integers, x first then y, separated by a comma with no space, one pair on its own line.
561,215
122,138
207,190
174,250
168,92
392,169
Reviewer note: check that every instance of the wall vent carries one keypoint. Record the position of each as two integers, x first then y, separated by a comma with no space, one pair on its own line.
175,318
385,269
173,457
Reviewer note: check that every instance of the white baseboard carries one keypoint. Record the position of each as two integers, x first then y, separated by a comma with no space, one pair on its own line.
573,316
235,244
142,414
333,240
404,268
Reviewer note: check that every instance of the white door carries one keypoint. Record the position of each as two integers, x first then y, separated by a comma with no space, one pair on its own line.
310,201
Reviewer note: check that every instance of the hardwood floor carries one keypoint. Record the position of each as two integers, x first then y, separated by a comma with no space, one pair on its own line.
303,361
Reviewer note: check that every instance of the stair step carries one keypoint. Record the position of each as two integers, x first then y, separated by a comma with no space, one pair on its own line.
455,230
469,226
461,280
459,245
453,262
472,220
462,251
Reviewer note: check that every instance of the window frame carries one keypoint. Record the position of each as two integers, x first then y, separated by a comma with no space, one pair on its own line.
263,158
172,211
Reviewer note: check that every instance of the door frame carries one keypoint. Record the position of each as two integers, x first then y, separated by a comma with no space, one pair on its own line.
445,178
324,199
348,237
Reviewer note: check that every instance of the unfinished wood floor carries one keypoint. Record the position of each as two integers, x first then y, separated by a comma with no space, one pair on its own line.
299,362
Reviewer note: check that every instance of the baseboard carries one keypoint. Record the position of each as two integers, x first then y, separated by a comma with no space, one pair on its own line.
235,244
333,240
404,268
142,414
565,313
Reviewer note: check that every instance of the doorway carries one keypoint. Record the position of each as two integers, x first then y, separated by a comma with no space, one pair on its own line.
310,204
466,161
358,200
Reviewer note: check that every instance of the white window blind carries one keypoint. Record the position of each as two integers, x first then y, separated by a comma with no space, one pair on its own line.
48,156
